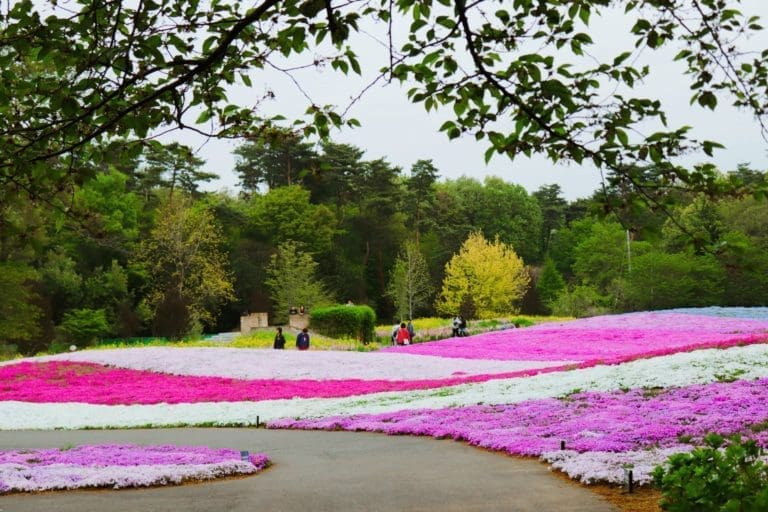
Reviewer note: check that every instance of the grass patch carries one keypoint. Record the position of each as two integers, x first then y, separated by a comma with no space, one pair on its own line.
432,328
265,339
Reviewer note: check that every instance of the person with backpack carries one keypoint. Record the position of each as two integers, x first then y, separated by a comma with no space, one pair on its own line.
302,339
411,330
279,339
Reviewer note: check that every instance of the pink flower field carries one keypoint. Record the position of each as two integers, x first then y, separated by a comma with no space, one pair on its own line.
63,381
617,390
604,339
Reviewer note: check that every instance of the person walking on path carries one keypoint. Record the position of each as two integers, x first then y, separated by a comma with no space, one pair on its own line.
403,338
411,330
279,339
302,339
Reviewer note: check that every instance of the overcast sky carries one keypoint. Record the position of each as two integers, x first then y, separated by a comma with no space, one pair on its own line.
402,132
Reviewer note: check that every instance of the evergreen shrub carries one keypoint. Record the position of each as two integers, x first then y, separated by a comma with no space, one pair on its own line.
357,322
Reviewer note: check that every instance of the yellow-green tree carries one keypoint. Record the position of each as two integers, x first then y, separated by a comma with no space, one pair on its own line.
485,279
188,274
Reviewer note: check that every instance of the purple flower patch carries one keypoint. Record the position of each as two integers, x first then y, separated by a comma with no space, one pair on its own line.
605,422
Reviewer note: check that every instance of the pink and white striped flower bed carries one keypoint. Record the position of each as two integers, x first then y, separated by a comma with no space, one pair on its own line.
671,378
119,466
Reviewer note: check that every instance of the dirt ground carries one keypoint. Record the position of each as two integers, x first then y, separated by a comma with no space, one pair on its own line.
642,499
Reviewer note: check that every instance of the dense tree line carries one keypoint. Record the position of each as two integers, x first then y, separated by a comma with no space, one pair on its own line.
105,232
144,252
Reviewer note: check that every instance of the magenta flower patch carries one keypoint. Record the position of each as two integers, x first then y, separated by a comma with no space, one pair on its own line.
119,465
58,382
603,339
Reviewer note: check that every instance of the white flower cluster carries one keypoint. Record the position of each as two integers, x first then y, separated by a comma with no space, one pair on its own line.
292,364
18,477
610,467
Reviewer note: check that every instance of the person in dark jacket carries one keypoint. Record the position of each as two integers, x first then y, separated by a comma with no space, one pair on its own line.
462,326
279,339
411,330
302,339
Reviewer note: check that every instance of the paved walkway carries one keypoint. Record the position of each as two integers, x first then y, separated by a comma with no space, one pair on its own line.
321,472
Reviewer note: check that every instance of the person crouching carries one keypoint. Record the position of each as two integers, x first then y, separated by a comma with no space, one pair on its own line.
403,336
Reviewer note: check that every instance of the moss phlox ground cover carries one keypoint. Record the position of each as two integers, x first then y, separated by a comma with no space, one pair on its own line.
672,377
119,465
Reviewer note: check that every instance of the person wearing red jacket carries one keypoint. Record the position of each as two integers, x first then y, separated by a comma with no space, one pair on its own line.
403,336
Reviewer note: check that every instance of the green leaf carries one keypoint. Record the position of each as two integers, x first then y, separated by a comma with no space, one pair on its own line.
208,43
708,99
69,107
621,58
584,14
622,136
489,154
204,116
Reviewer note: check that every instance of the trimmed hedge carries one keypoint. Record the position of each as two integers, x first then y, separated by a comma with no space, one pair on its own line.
345,321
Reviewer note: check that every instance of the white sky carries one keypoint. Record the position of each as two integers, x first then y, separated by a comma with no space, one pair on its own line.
402,132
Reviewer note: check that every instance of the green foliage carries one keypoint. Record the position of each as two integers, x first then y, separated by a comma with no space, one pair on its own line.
7,352
581,301
189,278
746,215
410,285
660,281
107,286
277,158
421,195
346,320
292,278
18,312
550,283
696,226
111,210
61,280
553,207
484,280
83,326
286,213
601,256
746,270
173,166
499,209
152,77
718,477
562,244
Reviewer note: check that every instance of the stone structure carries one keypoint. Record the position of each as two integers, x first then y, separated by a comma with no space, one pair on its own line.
253,322
298,321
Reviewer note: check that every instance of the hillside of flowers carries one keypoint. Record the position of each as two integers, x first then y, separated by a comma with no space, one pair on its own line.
616,390
119,465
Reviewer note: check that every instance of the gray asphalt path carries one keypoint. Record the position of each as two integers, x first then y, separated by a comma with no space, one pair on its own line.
320,472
